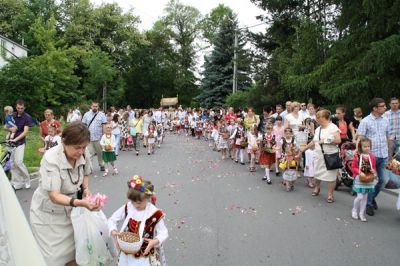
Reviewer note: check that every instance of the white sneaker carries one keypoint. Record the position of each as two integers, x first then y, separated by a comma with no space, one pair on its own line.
362,217
28,185
115,171
354,214
17,187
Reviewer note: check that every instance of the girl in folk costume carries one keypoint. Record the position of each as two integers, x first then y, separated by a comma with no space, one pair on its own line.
223,138
253,140
231,142
215,135
177,125
240,141
151,136
309,166
186,125
364,171
267,157
199,129
278,132
160,134
141,217
289,156
108,145
209,130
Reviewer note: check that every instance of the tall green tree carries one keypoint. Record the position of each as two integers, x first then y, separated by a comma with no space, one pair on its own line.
218,67
184,26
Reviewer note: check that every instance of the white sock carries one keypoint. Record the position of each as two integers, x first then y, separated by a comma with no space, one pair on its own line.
267,173
363,204
357,202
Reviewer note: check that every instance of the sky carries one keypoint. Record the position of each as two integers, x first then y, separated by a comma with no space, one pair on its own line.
150,10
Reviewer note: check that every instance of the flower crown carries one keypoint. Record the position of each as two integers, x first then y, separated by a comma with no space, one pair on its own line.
137,183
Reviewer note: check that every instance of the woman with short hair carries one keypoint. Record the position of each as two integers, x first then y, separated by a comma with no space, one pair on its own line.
48,122
63,182
327,136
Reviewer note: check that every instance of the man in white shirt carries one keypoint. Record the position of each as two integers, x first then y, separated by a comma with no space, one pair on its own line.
287,111
303,111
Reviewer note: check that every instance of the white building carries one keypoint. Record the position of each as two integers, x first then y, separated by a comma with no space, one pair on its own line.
10,50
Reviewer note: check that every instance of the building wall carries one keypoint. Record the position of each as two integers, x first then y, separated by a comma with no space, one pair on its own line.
7,48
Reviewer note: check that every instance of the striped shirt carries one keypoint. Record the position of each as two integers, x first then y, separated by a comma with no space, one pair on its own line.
394,124
376,129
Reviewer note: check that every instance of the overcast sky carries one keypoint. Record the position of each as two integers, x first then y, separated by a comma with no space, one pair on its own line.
150,10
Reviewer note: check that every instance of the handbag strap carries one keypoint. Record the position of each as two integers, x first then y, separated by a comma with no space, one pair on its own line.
322,145
92,119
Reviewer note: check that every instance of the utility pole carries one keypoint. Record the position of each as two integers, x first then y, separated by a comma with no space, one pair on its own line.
234,86
105,97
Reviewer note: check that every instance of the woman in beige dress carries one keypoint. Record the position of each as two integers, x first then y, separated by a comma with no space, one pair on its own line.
63,170
330,138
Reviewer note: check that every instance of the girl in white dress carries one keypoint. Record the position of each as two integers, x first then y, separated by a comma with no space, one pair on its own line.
309,168
140,216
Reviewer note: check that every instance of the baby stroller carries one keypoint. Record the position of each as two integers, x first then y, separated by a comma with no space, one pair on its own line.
6,148
347,151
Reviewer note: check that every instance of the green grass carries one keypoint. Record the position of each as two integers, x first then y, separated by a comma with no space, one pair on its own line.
33,142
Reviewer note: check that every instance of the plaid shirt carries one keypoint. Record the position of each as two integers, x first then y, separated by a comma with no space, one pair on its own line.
394,124
376,129
96,128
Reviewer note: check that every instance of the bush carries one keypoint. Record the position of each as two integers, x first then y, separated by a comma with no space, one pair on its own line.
237,100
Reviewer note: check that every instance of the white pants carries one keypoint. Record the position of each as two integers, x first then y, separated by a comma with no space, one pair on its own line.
19,172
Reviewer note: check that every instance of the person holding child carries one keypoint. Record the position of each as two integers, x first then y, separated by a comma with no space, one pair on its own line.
141,217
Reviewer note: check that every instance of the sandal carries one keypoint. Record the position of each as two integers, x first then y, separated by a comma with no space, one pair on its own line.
315,192
330,199
310,185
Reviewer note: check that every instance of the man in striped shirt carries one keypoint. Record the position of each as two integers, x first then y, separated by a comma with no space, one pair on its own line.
376,128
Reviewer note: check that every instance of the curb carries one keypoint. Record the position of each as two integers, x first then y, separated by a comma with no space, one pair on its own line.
394,192
34,175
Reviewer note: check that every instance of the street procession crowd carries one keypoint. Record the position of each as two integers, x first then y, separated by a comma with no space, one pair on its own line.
293,140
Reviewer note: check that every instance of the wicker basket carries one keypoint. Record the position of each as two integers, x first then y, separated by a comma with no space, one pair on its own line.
129,243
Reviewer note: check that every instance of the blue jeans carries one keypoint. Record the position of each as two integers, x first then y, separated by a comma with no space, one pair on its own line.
380,167
117,142
394,146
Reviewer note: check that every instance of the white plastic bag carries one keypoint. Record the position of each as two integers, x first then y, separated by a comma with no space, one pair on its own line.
91,237
398,203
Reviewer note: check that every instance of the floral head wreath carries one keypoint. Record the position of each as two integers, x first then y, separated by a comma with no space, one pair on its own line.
137,183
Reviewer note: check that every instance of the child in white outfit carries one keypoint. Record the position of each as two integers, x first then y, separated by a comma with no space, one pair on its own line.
309,168
141,217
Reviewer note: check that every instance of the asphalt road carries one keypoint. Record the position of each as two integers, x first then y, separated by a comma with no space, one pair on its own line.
220,214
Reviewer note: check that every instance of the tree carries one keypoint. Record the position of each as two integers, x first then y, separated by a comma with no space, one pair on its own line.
9,11
218,67
100,71
211,22
184,28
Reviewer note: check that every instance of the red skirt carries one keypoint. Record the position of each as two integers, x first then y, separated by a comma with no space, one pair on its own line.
267,158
